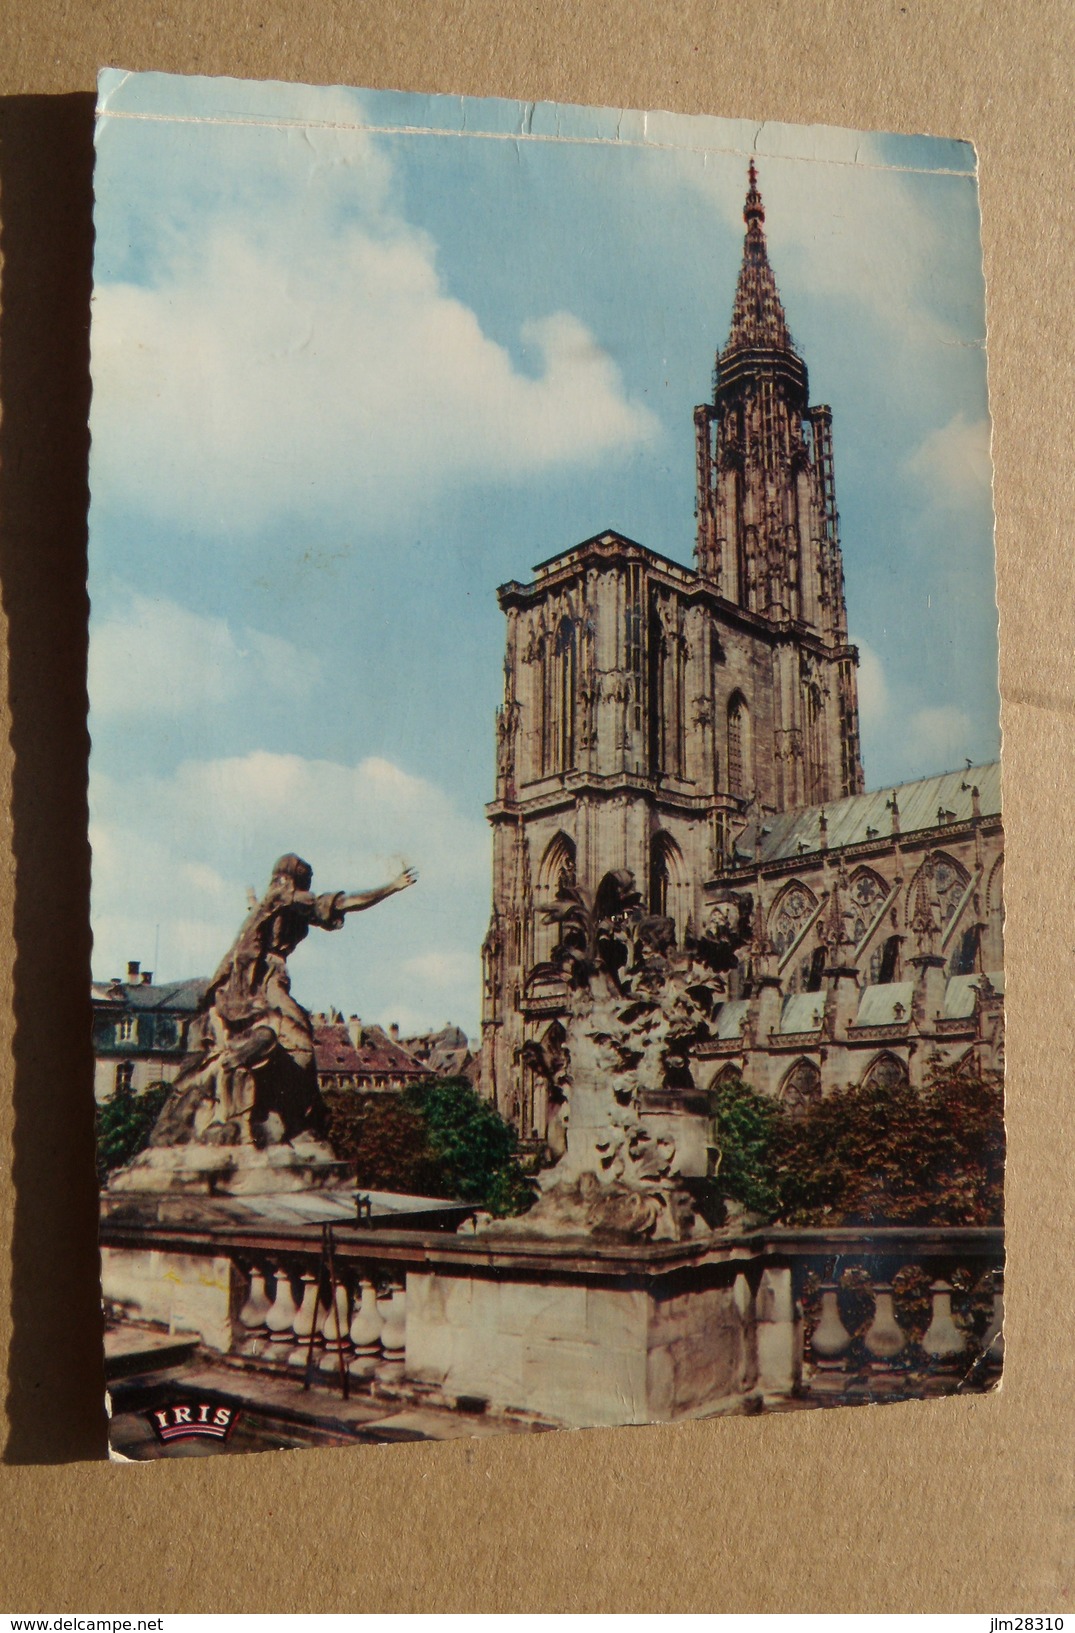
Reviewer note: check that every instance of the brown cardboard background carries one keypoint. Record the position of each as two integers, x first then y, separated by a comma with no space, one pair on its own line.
965,1504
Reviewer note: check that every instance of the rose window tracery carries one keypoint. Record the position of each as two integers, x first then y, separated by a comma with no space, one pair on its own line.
789,916
867,892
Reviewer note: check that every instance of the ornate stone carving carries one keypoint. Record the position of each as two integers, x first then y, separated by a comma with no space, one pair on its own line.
637,1006
507,727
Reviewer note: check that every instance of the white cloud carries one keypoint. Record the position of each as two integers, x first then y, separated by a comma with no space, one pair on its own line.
442,970
953,466
939,738
286,363
174,856
148,655
910,738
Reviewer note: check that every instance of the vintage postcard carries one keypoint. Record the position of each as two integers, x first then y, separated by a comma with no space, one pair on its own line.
545,788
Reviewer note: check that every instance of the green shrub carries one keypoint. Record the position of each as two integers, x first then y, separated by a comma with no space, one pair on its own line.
385,1141
437,1138
744,1127
124,1124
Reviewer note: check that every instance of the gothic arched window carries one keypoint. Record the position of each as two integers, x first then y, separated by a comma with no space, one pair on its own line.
993,939
557,870
946,882
667,876
565,700
867,891
557,866
738,745
789,914
801,1088
885,1072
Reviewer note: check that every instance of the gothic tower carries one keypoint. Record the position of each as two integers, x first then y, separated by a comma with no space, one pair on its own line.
768,528
651,711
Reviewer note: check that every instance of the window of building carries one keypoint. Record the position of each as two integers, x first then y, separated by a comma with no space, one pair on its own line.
868,894
738,742
658,880
124,1077
814,972
565,702
965,958
789,915
125,1029
801,1088
886,1072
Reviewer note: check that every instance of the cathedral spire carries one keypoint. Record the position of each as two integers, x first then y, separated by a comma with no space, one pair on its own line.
768,533
758,318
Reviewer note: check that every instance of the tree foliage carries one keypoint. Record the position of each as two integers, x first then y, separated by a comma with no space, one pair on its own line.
873,1154
437,1138
385,1141
124,1124
474,1145
744,1128
892,1155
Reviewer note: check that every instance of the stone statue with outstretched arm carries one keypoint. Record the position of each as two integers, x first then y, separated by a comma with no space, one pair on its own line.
252,1085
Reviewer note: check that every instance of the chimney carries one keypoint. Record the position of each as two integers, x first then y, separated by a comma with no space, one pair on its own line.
133,972
354,1031
394,1031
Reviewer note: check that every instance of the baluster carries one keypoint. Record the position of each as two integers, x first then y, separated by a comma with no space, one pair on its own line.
884,1338
831,1340
943,1342
743,1298
334,1346
993,1337
280,1319
779,1332
305,1319
366,1330
252,1316
393,1331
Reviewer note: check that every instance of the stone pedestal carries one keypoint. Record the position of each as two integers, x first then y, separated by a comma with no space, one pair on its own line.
645,1337
232,1170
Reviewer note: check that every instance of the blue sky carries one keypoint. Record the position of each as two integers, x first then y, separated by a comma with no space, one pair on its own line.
360,357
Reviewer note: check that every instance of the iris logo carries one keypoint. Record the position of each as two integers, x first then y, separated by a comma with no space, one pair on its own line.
191,1420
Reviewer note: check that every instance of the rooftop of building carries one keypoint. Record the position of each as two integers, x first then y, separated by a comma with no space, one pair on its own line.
369,1053
929,802
138,991
608,543
887,1005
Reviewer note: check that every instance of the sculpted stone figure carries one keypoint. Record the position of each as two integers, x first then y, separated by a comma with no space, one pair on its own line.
637,1004
249,1099
255,1082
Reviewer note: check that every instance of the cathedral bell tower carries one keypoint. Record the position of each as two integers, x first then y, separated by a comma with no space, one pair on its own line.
768,529
654,713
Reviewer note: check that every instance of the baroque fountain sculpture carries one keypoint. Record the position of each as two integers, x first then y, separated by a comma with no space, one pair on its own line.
638,1005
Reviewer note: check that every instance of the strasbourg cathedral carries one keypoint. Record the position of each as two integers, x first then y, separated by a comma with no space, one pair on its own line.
699,728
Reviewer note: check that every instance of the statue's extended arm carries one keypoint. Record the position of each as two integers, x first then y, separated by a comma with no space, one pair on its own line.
361,899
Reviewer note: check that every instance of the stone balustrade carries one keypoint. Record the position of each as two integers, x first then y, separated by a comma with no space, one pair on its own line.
588,1332
902,1304
289,1320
